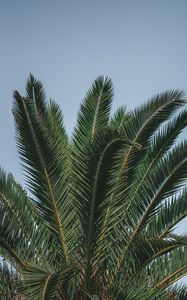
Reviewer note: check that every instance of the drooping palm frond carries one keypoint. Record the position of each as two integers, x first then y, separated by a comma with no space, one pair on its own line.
168,177
147,118
140,127
169,214
99,220
144,122
45,283
165,274
21,224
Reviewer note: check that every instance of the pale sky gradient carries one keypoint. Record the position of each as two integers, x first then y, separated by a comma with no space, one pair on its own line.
140,44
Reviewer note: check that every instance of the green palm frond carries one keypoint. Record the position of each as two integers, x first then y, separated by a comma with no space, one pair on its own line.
166,136
169,215
41,283
91,190
166,274
148,117
168,177
144,122
94,112
39,138
172,175
20,221
142,253
138,290
140,127
120,118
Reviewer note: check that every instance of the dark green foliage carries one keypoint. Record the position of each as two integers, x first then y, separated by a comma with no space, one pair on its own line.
99,223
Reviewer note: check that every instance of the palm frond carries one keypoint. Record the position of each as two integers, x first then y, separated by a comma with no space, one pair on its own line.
41,283
144,122
169,268
140,127
91,188
168,215
40,135
94,113
120,118
166,179
19,218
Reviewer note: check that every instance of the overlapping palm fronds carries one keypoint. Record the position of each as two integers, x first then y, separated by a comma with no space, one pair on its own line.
102,207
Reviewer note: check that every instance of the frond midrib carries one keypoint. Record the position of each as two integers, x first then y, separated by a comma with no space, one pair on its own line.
96,113
55,210
147,171
170,276
45,286
13,253
125,159
92,210
138,227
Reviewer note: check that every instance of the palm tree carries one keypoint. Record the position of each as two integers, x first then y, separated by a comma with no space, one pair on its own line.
98,221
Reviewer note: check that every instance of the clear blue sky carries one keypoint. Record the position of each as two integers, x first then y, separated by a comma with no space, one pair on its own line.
140,44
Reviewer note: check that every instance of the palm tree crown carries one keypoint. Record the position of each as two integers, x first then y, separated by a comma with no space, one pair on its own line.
98,220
